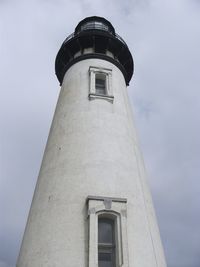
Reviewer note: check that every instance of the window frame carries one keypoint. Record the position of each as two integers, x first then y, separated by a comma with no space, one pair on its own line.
107,73
114,208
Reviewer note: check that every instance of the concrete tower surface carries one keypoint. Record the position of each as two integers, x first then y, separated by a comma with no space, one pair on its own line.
91,206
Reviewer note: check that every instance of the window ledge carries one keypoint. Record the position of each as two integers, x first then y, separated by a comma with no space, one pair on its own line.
100,198
106,97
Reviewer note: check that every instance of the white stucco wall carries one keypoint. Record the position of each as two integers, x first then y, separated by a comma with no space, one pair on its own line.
92,149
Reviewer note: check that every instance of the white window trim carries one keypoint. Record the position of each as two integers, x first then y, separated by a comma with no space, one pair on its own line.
116,208
92,90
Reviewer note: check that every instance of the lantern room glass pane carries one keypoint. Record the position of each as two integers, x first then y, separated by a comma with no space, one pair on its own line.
94,25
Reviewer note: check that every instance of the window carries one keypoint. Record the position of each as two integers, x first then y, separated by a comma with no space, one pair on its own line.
100,84
106,242
108,245
94,25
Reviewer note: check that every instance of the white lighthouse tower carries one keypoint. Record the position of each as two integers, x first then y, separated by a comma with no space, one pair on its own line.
91,206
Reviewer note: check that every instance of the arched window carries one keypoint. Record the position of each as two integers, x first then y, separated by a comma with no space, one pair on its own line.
108,246
106,242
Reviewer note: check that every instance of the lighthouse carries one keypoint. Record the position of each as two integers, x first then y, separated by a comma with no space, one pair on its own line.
91,206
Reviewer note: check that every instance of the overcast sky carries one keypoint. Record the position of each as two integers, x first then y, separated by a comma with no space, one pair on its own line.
164,38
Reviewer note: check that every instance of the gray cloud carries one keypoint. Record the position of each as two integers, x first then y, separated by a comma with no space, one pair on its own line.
164,39
4,264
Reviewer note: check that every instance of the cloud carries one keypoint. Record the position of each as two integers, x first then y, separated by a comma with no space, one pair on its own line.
4,264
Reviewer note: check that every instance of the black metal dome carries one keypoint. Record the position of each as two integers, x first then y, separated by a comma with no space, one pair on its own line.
99,34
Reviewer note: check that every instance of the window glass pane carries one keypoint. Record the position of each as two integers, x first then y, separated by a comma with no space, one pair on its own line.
100,84
105,260
105,231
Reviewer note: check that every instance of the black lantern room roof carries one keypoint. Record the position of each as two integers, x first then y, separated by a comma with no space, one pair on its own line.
99,34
